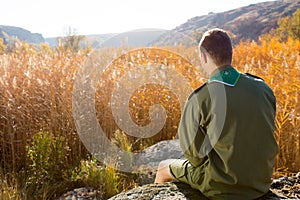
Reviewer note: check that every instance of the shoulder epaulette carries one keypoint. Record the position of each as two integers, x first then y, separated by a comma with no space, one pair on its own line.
257,77
196,90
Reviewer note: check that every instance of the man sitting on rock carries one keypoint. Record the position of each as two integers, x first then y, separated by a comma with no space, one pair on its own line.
226,130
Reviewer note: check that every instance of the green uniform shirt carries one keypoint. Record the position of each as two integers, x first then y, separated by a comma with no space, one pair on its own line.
226,131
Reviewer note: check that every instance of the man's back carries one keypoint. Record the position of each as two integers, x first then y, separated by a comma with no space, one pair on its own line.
240,164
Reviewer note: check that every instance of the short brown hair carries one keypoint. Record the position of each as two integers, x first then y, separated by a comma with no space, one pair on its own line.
217,43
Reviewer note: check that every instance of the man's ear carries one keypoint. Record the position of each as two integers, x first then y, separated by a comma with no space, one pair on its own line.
204,57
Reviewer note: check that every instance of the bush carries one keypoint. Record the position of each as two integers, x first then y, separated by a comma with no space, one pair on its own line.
48,167
104,178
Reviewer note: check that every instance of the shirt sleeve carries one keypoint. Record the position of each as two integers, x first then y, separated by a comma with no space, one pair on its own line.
191,134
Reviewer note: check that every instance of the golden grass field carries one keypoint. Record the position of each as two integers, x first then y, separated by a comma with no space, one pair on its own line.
36,95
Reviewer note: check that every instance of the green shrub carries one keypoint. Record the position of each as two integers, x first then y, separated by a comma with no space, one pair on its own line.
48,170
93,174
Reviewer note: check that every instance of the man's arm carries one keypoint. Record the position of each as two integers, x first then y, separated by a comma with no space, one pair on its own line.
191,134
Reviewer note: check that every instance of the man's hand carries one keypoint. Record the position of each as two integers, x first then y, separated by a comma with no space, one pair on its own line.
163,172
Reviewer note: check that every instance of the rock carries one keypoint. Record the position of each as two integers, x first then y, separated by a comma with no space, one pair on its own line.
148,160
84,193
160,151
282,188
173,191
287,186
170,191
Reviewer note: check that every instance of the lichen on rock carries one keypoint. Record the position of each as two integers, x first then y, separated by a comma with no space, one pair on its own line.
168,190
175,190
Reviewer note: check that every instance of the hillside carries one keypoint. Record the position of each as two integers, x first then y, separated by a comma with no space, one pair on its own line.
94,40
244,23
7,32
135,38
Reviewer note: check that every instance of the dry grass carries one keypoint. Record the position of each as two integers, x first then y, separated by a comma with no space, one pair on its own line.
9,188
279,65
36,94
35,90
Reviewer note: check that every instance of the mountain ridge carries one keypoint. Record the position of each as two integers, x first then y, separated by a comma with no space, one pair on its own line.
244,23
248,22
8,32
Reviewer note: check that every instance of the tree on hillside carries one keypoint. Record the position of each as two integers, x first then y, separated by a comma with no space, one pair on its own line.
10,42
196,35
72,41
289,27
2,46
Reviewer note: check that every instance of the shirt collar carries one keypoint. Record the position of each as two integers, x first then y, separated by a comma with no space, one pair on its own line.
226,75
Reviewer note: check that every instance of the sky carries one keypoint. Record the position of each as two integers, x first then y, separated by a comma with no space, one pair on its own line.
53,18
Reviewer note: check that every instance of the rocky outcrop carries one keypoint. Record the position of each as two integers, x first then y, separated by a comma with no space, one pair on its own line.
283,188
169,191
7,32
167,149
